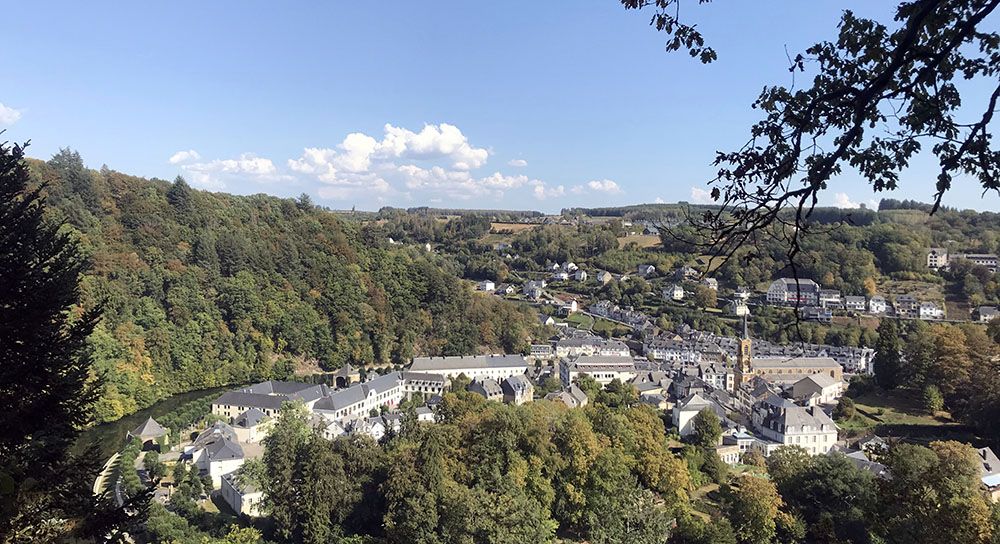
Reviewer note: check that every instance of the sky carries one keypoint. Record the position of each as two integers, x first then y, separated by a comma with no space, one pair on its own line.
516,105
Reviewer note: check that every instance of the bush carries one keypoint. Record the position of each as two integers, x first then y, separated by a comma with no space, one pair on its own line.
845,409
933,400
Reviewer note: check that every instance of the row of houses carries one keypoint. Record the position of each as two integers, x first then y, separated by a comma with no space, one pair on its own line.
627,315
818,304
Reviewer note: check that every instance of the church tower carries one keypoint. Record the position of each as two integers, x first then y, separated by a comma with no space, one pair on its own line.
743,371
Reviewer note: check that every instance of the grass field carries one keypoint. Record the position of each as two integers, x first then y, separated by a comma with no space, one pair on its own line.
892,408
511,227
580,321
644,241
615,329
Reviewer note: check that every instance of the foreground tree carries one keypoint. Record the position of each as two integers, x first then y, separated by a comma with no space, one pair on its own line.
933,496
46,390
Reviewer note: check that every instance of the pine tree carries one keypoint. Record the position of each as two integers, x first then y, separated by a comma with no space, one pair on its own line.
887,360
45,393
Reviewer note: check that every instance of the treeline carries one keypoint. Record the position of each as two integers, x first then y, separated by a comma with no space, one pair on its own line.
205,289
498,215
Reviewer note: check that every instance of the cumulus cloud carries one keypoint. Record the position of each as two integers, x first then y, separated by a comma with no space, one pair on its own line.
543,191
597,186
659,200
442,141
841,200
700,196
517,163
184,156
8,115
215,174
364,163
604,186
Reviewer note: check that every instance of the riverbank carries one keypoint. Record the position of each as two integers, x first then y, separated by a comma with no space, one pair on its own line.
108,438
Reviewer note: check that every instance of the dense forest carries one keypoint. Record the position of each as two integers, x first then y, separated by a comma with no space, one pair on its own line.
203,289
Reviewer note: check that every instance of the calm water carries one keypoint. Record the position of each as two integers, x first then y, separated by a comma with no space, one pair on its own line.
109,437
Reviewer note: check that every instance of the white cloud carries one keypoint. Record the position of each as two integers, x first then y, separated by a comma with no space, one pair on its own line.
517,163
442,141
843,201
184,156
700,196
597,186
216,173
659,200
604,186
543,191
8,115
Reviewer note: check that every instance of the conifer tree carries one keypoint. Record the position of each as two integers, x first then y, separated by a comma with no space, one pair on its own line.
45,389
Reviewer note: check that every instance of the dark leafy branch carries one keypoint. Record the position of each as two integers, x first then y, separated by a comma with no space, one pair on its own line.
878,97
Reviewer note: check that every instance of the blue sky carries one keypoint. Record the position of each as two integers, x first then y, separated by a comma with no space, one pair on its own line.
526,105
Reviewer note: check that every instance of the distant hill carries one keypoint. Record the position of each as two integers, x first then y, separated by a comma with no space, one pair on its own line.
204,289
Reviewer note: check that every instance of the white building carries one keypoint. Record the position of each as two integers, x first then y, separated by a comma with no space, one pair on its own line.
674,292
644,270
387,390
267,397
604,277
580,275
817,389
474,367
854,303
486,285
216,452
603,369
937,257
781,421
789,292
929,310
686,409
877,305
242,495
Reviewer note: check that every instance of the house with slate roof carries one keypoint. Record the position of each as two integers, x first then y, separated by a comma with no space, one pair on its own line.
517,390
216,452
572,397
488,388
782,421
149,433
252,425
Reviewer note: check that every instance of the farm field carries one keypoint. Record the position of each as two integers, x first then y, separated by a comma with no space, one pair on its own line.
511,227
644,241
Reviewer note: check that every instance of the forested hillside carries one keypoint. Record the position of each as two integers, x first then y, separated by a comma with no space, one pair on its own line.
203,289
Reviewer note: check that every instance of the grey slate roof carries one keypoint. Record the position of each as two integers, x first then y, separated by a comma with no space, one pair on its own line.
257,400
487,388
149,429
224,449
432,364
249,418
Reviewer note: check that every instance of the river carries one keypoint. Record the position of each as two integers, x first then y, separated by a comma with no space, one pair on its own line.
109,437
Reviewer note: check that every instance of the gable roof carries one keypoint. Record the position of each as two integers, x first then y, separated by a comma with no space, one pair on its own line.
148,429
249,418
224,449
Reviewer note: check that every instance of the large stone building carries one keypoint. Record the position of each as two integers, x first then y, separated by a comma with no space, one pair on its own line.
474,367
786,423
791,292
603,369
